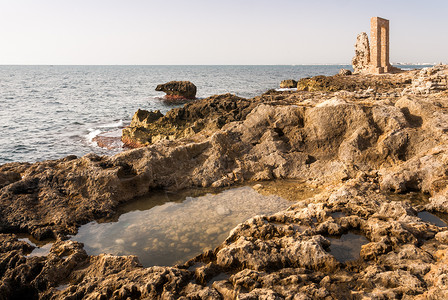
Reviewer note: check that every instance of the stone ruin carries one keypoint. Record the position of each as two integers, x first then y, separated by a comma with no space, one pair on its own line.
373,58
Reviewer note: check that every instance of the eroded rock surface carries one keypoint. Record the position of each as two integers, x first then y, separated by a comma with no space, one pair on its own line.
205,116
361,61
429,80
356,145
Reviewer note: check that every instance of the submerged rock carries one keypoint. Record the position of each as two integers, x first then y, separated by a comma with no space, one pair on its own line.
178,90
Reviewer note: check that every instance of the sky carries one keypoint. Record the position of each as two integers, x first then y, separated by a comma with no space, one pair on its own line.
211,32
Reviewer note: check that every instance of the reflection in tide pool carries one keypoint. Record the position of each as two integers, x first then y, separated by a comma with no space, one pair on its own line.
431,218
42,248
173,232
347,247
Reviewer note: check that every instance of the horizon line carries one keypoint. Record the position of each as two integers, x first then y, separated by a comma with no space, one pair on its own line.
311,64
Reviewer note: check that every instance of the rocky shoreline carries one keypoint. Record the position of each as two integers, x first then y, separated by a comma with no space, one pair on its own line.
359,138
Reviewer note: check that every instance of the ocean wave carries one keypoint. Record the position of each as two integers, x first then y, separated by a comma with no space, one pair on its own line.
286,89
91,135
112,125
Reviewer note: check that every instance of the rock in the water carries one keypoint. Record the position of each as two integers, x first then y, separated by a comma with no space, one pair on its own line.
288,84
361,60
345,72
178,90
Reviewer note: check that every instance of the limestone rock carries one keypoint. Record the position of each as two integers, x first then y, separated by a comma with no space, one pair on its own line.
178,90
429,80
144,117
361,60
361,85
201,116
288,83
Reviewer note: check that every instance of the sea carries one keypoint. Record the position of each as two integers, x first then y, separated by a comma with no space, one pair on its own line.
49,112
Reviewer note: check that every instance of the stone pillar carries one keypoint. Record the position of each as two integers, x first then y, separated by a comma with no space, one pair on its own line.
379,45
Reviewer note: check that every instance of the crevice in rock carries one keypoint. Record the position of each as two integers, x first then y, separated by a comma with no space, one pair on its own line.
413,120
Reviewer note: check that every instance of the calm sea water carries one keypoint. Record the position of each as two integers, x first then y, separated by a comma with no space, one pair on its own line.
48,112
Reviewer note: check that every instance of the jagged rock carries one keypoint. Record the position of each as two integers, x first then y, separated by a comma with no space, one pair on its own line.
288,84
144,117
429,80
178,90
201,116
361,60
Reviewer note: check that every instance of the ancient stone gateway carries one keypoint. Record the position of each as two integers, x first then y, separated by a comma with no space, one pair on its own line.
373,59
379,45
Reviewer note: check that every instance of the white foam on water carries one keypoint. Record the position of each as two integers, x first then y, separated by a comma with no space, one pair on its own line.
91,135
286,89
105,130
112,125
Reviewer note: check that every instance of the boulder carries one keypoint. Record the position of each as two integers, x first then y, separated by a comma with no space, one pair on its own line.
176,90
288,84
361,60
345,72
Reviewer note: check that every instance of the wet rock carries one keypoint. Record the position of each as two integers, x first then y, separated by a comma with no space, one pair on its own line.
178,90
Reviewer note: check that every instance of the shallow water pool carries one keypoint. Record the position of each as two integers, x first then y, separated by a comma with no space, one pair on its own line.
162,232
347,247
432,218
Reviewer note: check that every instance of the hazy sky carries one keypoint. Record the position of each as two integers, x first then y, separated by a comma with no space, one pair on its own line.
214,32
